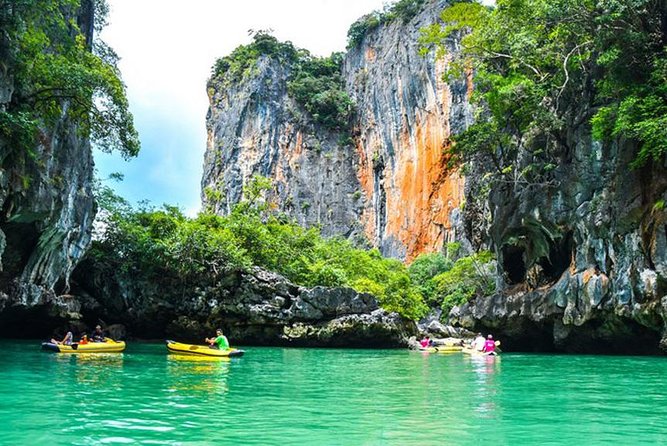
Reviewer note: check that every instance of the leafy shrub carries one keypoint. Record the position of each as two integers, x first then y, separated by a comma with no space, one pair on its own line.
359,29
239,63
407,9
163,244
317,84
422,271
469,277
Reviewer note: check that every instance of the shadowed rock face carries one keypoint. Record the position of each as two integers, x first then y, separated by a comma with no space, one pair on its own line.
582,265
390,183
258,307
48,209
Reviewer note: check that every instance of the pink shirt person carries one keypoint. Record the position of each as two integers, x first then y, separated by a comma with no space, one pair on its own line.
489,345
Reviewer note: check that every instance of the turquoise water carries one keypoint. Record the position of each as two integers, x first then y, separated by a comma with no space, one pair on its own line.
338,397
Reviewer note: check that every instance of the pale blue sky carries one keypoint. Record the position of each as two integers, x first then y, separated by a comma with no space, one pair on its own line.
167,48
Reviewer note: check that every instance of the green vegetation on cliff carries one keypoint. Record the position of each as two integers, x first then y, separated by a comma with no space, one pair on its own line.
403,10
318,85
545,68
163,246
244,58
58,71
315,83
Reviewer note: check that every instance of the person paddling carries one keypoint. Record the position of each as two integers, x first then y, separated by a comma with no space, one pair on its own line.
98,335
490,345
67,340
426,342
220,341
478,343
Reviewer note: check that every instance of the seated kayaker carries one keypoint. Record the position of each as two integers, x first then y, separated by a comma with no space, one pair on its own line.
426,342
84,339
67,340
489,345
478,343
98,335
220,341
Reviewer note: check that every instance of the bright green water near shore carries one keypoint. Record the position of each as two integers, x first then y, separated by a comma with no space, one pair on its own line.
339,397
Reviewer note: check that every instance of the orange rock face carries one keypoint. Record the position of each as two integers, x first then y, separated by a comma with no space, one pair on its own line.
412,186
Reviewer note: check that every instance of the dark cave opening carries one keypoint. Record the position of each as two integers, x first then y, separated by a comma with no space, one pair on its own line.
514,264
21,239
560,256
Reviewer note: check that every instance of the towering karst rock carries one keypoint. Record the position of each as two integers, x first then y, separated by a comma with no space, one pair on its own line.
384,176
582,261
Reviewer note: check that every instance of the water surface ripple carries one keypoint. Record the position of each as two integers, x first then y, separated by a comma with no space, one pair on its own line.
276,396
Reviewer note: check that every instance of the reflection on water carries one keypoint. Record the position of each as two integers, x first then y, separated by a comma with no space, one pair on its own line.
101,359
198,373
197,358
487,388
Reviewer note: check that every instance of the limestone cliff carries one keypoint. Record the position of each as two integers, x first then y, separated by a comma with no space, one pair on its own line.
582,265
389,181
582,258
47,208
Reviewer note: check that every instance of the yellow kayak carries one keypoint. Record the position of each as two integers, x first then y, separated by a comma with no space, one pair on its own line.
108,346
442,349
202,350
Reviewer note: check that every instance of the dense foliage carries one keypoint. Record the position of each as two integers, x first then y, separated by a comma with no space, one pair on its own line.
422,271
469,277
315,82
244,58
545,68
162,243
403,10
318,85
446,283
59,72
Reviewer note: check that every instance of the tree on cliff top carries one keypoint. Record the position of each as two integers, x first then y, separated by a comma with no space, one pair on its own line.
316,83
59,72
404,10
544,68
